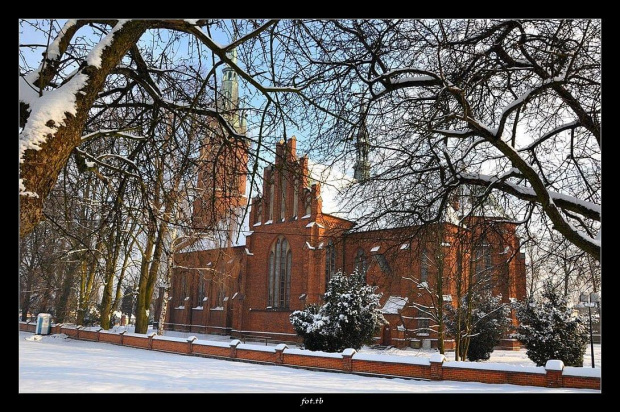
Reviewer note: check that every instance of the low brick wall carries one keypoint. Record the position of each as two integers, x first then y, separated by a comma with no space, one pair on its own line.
552,375
254,355
169,345
91,335
200,348
136,341
109,337
391,368
312,361
583,382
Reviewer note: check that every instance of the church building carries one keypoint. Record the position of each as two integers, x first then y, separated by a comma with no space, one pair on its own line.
277,252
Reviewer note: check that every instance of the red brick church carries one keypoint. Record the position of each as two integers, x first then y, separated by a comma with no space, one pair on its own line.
279,251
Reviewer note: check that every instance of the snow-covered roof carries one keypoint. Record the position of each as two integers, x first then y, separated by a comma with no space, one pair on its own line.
394,305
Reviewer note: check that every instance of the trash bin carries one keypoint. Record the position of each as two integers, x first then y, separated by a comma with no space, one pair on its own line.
44,324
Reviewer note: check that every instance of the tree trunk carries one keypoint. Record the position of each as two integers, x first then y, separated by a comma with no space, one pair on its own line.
164,300
40,168
62,307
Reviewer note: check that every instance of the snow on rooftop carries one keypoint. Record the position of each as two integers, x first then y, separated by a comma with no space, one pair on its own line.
394,305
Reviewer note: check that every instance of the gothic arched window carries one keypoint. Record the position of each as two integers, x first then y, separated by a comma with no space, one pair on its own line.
361,266
330,261
280,262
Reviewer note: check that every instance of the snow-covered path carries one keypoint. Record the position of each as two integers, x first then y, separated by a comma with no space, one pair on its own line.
61,365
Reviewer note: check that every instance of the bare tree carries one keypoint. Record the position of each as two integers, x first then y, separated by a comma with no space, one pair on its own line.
512,106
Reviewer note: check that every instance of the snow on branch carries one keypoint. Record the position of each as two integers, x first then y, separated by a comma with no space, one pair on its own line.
550,134
48,112
94,57
588,209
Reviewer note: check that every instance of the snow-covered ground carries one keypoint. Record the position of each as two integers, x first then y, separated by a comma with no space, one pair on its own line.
499,356
57,364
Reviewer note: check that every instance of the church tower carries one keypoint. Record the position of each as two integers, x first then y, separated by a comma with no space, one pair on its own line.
228,101
220,202
361,170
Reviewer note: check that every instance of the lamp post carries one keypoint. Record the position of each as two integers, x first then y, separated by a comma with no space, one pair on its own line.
590,301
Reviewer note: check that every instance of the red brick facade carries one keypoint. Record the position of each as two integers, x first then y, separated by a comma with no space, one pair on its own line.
293,247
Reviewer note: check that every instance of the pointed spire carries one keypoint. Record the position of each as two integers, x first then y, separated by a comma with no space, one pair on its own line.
229,93
361,170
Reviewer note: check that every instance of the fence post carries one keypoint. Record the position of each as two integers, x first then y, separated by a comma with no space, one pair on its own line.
554,370
190,344
280,353
347,359
233,348
437,360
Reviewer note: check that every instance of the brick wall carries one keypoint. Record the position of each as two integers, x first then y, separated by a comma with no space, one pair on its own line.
391,368
551,376
312,361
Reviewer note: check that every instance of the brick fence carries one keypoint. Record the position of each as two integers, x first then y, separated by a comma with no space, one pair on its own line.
552,375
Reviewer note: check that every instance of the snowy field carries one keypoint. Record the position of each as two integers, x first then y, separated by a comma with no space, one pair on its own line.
57,364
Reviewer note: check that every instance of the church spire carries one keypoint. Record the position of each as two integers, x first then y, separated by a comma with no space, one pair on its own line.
361,170
229,94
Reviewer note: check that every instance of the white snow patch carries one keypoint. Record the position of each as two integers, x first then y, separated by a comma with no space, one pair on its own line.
306,217
554,365
28,93
94,57
52,106
575,371
410,360
53,50
34,338
437,358
375,248
394,304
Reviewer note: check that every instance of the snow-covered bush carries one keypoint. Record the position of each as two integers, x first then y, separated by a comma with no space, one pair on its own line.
551,330
348,318
480,333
